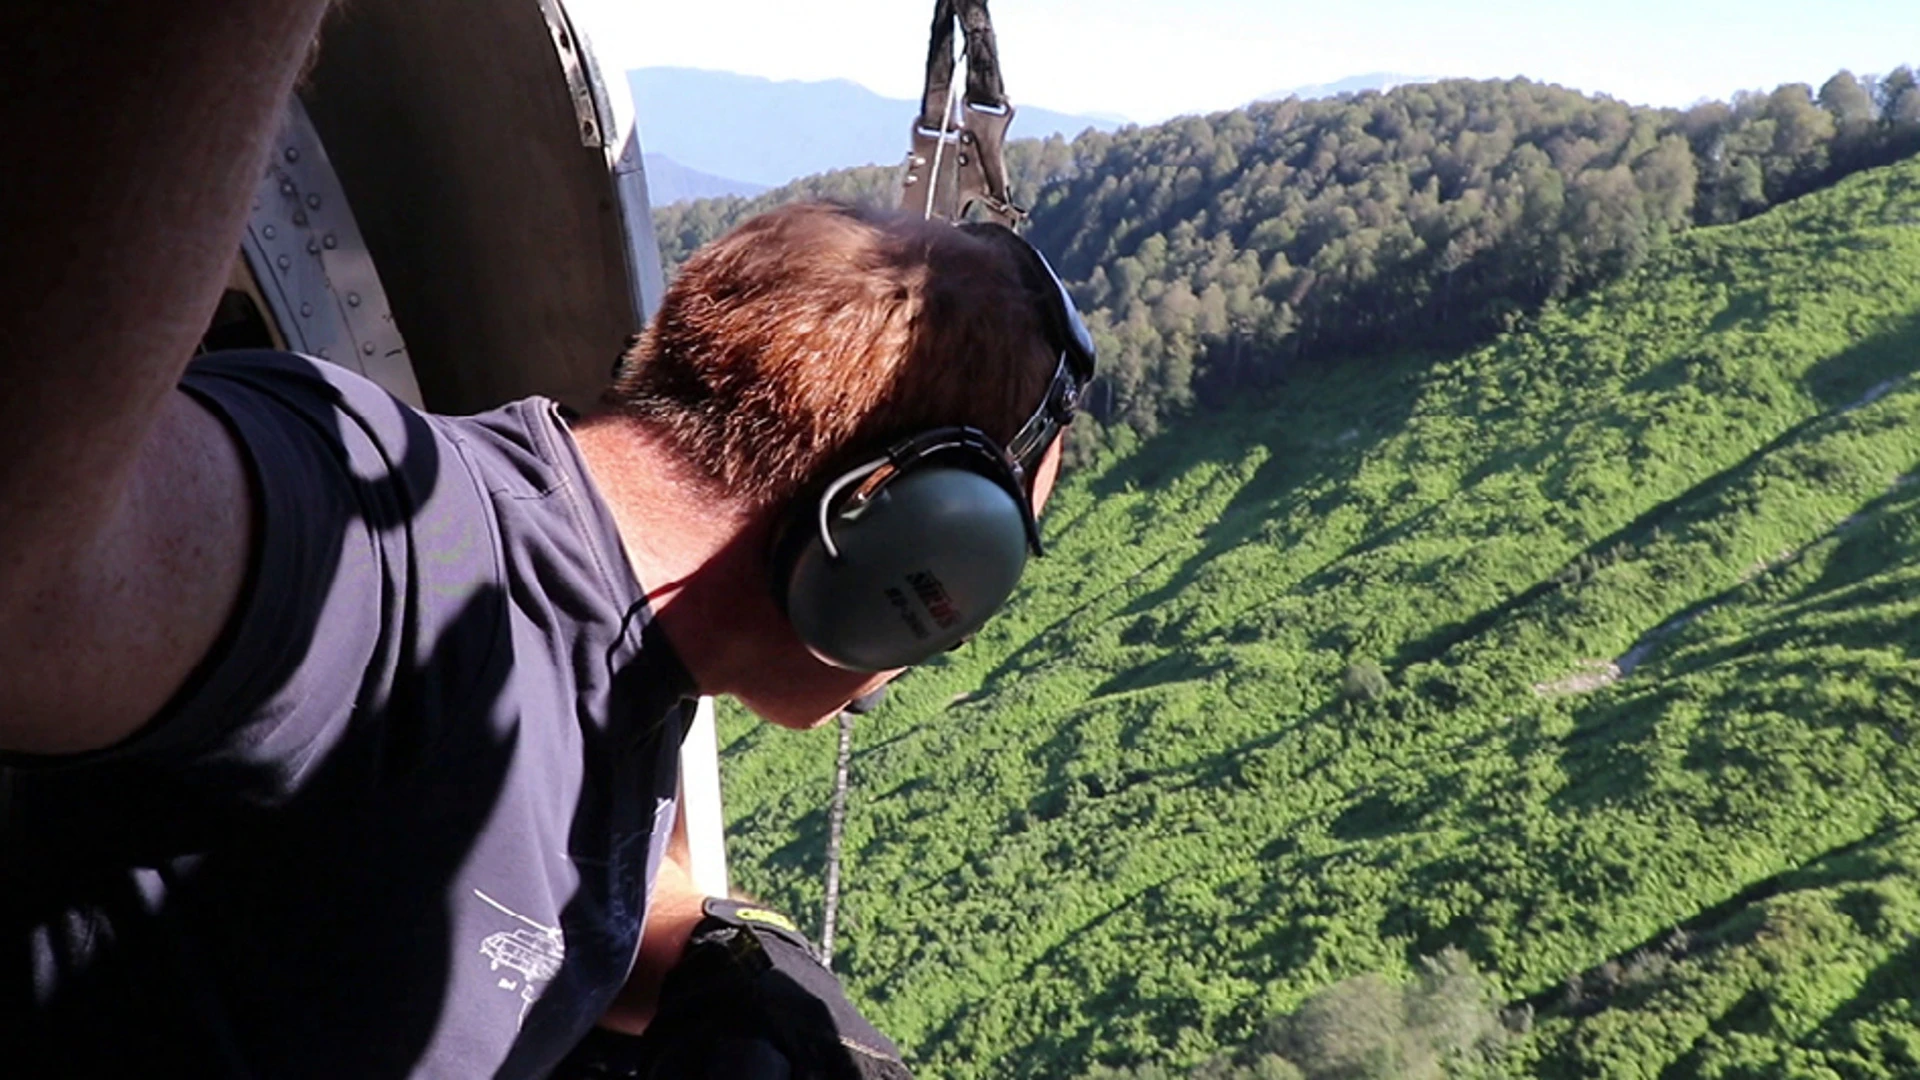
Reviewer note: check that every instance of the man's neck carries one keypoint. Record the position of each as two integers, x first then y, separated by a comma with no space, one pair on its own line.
700,556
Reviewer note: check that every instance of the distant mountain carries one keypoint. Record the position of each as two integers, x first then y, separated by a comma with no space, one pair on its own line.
1352,84
767,132
669,182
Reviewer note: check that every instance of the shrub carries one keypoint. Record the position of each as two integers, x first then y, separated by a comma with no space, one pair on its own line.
1364,681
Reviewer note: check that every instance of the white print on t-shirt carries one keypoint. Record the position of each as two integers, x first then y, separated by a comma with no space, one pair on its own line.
535,954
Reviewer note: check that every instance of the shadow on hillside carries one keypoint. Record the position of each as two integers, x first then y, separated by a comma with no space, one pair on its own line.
804,852
1739,921
1351,431
1156,1001
1396,808
1319,427
1695,504
1065,1040
1894,981
1612,748
1748,310
1177,665
1877,536
1069,784
1839,382
1882,540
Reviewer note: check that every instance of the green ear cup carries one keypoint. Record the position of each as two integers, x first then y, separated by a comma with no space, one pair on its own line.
920,568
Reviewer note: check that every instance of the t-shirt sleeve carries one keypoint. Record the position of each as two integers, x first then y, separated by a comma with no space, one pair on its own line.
328,462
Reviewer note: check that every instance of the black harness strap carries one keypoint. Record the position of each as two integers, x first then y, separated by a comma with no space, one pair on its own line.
957,163
983,60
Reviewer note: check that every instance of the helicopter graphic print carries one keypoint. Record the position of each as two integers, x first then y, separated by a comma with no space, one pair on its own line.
532,954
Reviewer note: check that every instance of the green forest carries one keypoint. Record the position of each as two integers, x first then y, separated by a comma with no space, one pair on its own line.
1213,253
1480,640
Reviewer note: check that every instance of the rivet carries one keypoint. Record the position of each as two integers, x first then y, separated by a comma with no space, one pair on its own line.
353,299
293,154
963,159
283,262
330,241
367,348
326,354
313,247
313,201
268,232
286,187
300,218
306,310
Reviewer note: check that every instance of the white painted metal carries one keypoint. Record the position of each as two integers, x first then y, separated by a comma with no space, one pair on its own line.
612,107
700,803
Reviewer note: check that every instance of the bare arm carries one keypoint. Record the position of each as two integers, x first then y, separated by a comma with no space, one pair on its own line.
673,910
134,132
750,1000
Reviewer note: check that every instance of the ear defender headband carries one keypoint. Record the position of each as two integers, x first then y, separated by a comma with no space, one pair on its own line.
907,555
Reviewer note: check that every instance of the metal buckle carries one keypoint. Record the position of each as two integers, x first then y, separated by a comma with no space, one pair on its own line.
950,171
1055,413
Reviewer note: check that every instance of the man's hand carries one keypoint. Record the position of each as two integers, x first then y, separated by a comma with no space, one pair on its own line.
748,1001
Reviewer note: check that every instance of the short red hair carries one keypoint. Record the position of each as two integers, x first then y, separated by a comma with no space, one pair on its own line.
815,335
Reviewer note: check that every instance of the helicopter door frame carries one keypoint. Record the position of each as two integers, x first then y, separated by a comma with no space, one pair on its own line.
306,259
606,114
507,205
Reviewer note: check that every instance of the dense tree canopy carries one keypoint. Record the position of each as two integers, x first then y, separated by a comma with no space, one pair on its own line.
1212,252
1593,653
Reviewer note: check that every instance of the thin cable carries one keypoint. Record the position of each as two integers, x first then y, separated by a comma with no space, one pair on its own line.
836,822
946,125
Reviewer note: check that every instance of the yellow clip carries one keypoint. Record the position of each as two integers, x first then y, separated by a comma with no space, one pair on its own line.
771,918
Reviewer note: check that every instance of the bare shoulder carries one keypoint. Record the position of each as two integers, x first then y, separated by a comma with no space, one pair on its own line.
95,647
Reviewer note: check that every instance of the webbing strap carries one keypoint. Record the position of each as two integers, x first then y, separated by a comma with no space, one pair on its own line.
955,163
983,60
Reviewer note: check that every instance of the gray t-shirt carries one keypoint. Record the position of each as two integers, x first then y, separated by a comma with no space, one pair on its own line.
404,818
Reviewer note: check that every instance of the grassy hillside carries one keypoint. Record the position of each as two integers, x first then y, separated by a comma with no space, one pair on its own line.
1545,652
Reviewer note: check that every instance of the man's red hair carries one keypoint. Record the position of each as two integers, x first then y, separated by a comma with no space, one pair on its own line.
815,335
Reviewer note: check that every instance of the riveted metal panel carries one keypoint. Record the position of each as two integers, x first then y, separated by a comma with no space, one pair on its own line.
516,251
311,266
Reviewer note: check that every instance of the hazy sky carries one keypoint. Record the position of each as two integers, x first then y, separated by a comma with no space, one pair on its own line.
1151,59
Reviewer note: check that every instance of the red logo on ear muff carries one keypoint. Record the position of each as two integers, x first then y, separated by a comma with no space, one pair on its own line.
933,596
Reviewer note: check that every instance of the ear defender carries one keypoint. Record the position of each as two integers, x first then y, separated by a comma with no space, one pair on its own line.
907,556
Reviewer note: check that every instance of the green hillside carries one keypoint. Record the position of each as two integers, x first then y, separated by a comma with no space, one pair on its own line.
1212,253
1546,651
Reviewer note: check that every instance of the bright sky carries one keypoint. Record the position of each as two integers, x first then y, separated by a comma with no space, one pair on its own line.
1151,59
